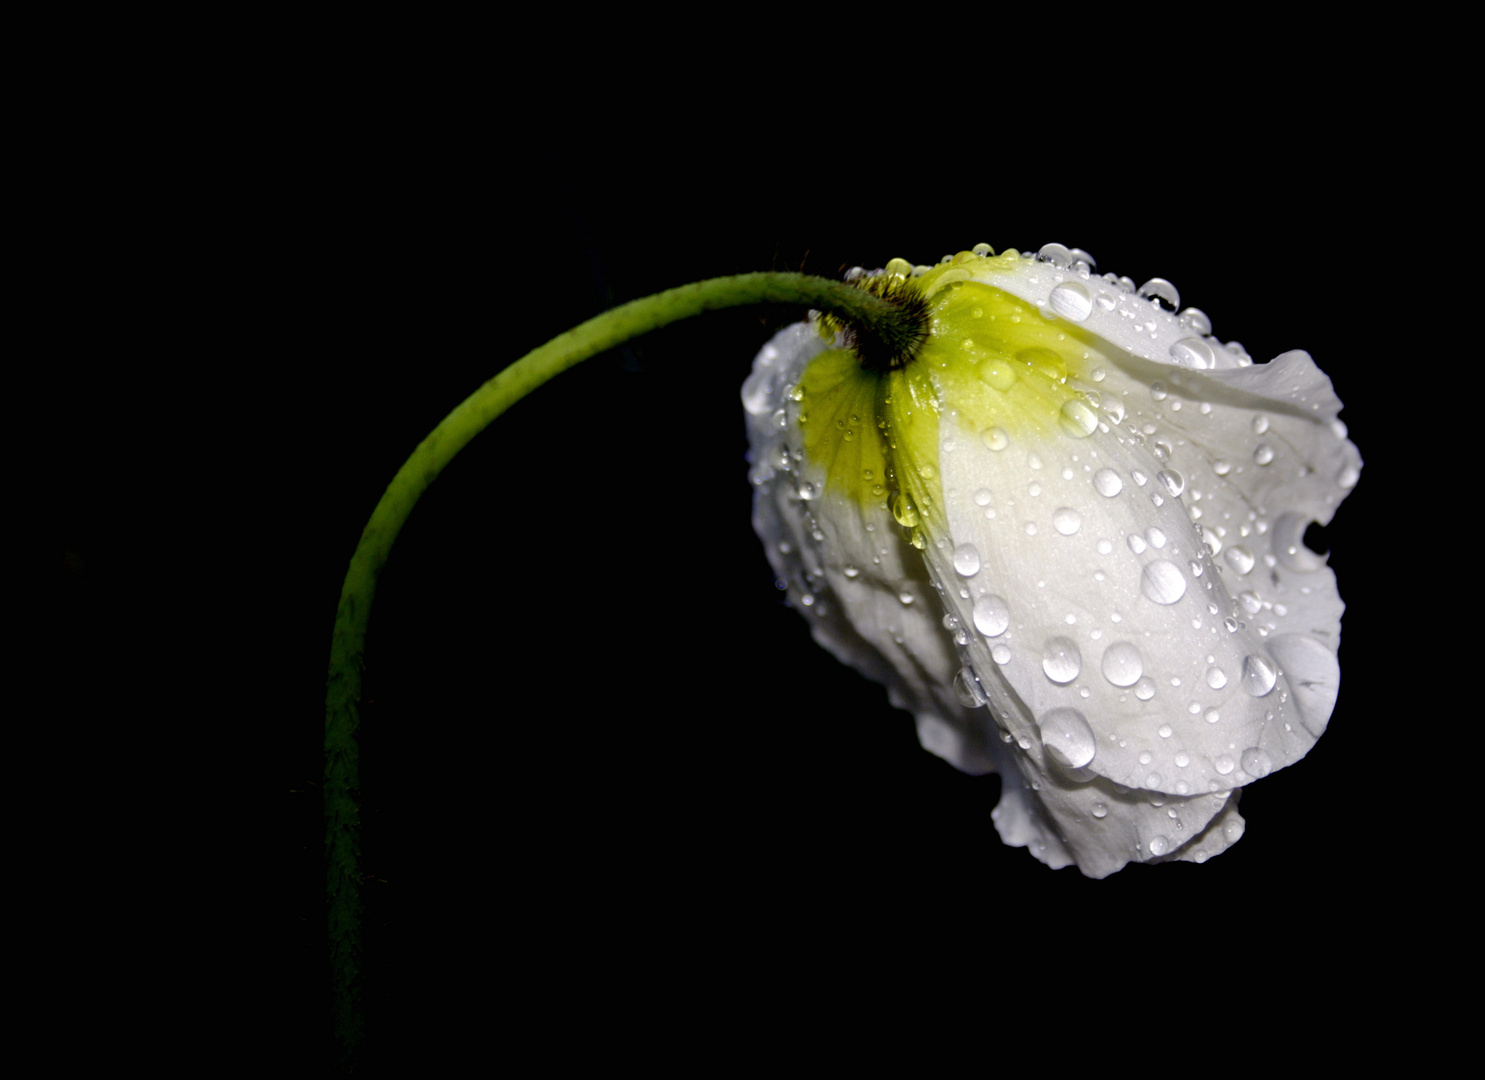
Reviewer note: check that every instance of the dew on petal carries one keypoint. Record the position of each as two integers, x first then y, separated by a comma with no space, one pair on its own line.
991,616
1163,582
1216,678
966,560
1193,352
995,438
1071,301
1144,689
1159,845
1067,737
1066,520
1239,558
1174,482
1224,764
997,373
1264,454
1122,664
1162,292
1078,419
1061,660
1259,676
1107,483
1257,763
968,690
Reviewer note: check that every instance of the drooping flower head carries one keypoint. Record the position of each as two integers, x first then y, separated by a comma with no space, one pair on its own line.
1068,536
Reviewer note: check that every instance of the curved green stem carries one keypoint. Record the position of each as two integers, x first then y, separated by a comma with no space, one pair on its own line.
879,324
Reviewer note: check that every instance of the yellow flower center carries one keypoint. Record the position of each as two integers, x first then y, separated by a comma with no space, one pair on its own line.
1006,374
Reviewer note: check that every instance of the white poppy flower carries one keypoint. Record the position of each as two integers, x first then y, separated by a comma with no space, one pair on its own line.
1068,538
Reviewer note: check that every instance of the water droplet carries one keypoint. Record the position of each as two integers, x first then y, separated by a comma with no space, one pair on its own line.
1078,420
983,497
1264,454
966,560
984,251
968,690
1174,482
1137,543
995,438
1195,320
1162,582
1156,535
1071,301
1122,664
1221,468
997,373
1107,483
991,616
1055,254
1158,391
1067,737
1162,292
1066,520
905,512
850,571
1239,558
1216,678
1061,660
1192,352
906,599
1144,689
1159,845
1259,676
1182,759
1260,424
1100,811
1165,731
1113,408
1224,764
1256,763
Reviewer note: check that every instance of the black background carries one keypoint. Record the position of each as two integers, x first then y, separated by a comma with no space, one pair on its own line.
607,775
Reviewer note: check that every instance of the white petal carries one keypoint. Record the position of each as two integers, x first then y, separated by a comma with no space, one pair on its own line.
1131,596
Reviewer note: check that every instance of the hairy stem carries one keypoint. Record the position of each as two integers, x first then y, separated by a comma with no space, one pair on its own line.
879,326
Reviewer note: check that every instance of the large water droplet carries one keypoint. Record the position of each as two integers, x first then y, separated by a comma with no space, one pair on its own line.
1216,678
966,560
1162,582
991,616
1107,483
905,512
1195,320
1264,454
1078,420
997,373
1259,676
968,690
1256,763
1174,482
1239,558
1072,301
1193,352
1122,664
1224,764
1067,737
1162,292
1061,660
1159,845
1066,520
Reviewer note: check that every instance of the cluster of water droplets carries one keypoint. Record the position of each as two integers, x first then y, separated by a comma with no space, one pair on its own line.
1212,545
